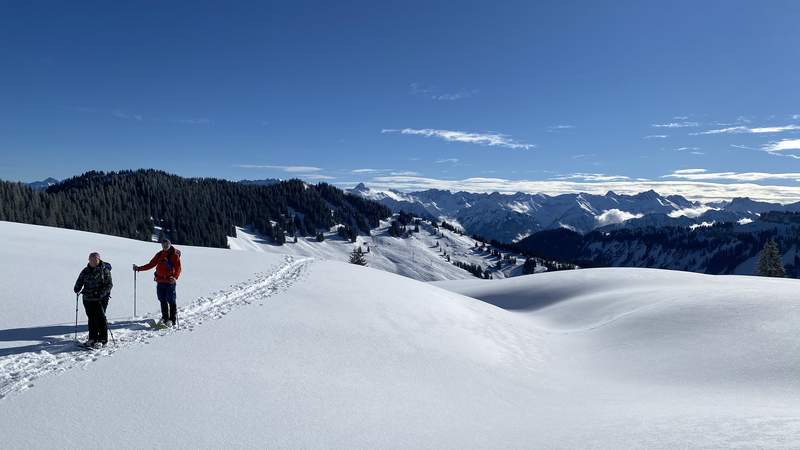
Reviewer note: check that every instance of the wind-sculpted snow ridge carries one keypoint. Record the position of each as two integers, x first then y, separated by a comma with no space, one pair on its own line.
59,354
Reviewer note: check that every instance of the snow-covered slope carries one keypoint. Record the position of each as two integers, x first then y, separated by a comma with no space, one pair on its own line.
420,255
316,354
39,266
649,328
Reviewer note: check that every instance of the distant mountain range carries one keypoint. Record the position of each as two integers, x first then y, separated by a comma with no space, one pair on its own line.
42,185
512,217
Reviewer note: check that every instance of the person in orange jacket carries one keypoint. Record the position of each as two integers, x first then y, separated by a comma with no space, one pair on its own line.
168,268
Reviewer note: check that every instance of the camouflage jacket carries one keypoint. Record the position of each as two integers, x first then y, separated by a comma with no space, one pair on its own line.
95,281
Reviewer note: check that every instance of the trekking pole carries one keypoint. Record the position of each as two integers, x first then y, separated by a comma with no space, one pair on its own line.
76,316
108,329
134,293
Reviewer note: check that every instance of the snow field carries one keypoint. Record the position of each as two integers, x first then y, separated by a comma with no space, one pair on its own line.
342,356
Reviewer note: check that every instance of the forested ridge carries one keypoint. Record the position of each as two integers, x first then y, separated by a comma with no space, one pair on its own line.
191,211
717,249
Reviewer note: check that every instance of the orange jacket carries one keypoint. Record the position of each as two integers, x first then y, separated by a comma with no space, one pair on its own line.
167,264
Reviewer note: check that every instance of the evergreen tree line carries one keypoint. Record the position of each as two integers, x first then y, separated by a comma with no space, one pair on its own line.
190,211
532,258
474,269
402,220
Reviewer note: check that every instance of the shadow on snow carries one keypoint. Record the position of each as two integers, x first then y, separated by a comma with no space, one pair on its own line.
54,338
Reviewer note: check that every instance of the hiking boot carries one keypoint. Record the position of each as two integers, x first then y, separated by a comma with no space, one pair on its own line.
168,323
98,345
89,342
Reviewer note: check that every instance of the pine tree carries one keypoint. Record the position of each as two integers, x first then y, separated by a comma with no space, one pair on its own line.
396,229
529,267
769,262
357,257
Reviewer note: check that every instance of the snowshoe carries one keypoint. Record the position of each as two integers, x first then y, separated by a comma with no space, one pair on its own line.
157,325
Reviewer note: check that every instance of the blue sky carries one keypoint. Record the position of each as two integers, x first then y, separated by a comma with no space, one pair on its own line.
697,98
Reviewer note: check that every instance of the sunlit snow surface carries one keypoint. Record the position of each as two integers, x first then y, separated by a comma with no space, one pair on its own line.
419,255
322,354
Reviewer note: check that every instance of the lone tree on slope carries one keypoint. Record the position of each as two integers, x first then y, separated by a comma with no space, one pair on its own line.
769,262
357,257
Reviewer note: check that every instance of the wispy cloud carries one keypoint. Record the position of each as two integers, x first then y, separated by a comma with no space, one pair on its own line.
703,175
436,94
675,125
318,177
583,155
193,121
455,96
785,147
686,149
371,170
116,113
591,177
656,136
419,89
743,129
680,117
557,128
786,144
447,161
289,169
488,139
119,114
127,115
405,173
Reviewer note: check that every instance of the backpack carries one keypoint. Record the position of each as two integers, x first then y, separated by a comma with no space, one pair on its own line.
168,259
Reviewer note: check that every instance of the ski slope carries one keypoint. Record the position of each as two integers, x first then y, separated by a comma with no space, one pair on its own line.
307,353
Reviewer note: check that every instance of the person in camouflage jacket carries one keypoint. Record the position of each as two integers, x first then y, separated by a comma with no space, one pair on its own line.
95,283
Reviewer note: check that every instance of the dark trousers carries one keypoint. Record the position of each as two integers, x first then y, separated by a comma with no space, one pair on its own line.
96,313
167,296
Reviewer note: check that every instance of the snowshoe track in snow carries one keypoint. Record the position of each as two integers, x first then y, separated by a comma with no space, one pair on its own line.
61,353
